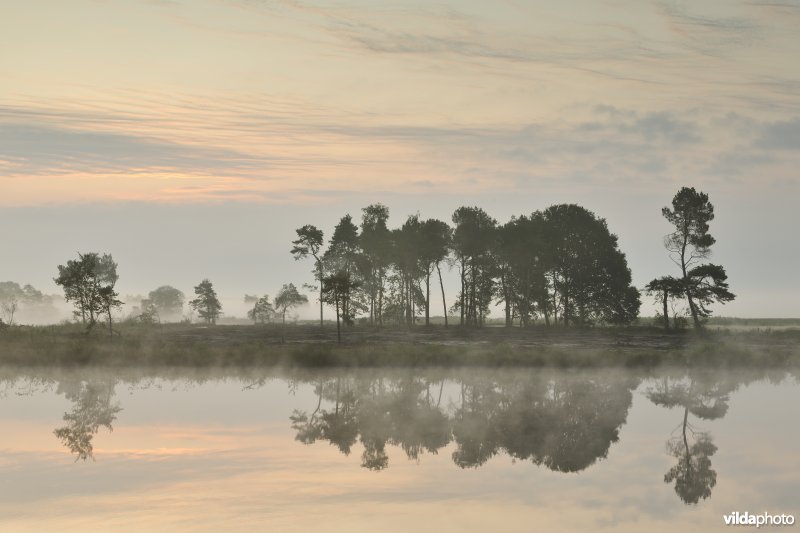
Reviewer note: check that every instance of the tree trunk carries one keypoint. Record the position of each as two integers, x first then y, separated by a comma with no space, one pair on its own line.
463,295
666,311
687,288
338,326
441,285
428,297
380,297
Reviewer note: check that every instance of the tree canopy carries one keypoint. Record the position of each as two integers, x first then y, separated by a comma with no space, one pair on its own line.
88,283
206,304
688,245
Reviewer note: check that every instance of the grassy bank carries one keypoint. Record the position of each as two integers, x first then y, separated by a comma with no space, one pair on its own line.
306,346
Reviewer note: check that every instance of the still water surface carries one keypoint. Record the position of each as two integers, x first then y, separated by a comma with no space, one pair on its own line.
437,450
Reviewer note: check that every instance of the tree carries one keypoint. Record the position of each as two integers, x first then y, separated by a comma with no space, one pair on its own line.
287,298
206,304
435,238
473,239
522,253
375,243
335,289
690,243
309,242
664,289
10,296
167,300
262,310
341,256
590,277
89,282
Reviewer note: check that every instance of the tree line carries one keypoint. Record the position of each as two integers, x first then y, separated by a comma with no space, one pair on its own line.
560,266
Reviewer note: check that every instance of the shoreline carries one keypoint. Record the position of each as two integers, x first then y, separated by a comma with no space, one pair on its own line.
309,347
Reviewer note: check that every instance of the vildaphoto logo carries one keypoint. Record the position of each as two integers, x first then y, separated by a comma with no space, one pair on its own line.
765,519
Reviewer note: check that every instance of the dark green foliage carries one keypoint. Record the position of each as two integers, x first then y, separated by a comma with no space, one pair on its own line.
562,265
376,246
336,289
88,283
589,276
473,246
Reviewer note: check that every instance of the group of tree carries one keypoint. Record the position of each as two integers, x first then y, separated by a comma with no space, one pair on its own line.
561,265
699,284
15,298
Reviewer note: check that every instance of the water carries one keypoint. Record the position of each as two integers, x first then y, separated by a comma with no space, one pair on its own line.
440,450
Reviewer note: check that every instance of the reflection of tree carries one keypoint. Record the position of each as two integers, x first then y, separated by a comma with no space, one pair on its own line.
693,476
706,397
92,409
565,423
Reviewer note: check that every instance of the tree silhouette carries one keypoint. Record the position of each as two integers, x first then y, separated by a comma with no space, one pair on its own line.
206,304
309,242
690,243
589,275
376,244
336,288
664,289
288,298
88,283
473,240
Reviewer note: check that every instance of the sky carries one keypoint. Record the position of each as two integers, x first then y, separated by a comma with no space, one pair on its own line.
190,139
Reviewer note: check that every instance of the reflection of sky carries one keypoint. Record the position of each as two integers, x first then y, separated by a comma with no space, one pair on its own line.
214,456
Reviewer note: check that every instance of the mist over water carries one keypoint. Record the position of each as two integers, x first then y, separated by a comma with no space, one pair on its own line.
567,450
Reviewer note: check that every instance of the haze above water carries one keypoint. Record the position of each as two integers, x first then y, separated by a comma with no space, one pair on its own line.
397,451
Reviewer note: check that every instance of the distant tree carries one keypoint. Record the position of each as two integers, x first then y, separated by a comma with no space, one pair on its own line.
206,304
342,255
590,277
262,310
10,296
703,284
407,263
435,237
89,282
167,300
335,289
375,243
309,243
473,246
664,289
108,303
288,298
523,260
